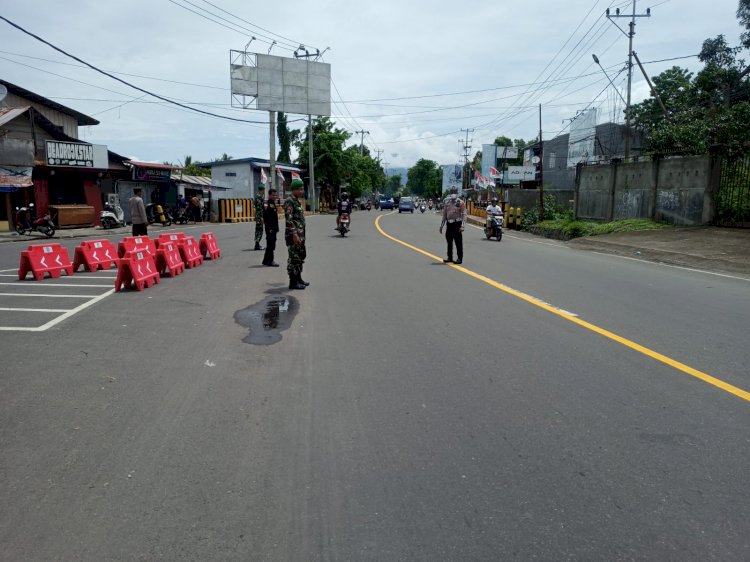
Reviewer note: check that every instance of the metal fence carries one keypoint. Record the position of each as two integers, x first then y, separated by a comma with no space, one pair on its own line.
733,196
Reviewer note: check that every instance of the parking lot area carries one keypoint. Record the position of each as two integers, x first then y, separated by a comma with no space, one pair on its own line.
36,306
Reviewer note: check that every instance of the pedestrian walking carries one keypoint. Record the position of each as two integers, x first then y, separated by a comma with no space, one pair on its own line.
454,219
259,204
138,214
195,205
271,225
294,236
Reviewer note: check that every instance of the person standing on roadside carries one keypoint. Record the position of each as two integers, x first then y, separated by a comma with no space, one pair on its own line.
294,236
271,224
138,214
454,216
259,208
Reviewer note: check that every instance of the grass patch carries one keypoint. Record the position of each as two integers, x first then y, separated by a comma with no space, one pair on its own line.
565,229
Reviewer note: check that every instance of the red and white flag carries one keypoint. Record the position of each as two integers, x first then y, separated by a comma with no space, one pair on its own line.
280,174
295,176
263,177
493,172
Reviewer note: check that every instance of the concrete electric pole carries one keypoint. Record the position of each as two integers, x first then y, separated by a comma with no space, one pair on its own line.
629,34
362,141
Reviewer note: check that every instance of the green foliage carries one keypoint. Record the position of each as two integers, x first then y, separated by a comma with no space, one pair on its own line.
563,229
335,165
425,178
392,185
710,108
551,212
503,141
285,138
192,168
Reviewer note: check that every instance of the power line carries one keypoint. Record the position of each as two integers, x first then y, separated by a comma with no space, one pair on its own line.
58,49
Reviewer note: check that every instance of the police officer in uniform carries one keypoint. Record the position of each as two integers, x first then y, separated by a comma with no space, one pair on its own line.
295,236
259,204
454,216
271,224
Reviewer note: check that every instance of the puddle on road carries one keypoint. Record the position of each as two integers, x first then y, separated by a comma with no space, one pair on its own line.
267,319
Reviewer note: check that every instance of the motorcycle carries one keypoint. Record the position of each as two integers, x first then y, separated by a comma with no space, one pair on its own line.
112,216
156,213
422,208
494,228
180,215
368,206
343,227
25,223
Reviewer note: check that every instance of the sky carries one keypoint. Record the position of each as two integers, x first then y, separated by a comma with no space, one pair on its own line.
416,75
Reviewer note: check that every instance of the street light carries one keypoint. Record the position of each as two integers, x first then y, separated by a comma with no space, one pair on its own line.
596,60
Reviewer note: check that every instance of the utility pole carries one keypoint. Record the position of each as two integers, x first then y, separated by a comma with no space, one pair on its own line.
310,162
272,144
541,168
379,151
629,35
362,141
466,147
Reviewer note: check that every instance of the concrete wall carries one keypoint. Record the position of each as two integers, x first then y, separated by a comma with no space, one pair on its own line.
677,190
239,186
528,198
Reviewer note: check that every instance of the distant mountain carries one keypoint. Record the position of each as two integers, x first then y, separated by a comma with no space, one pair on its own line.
398,171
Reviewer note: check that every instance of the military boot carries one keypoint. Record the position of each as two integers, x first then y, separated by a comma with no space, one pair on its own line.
258,246
294,283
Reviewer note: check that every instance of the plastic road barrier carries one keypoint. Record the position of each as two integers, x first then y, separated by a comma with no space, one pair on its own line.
168,258
136,243
136,268
44,258
94,255
190,252
209,247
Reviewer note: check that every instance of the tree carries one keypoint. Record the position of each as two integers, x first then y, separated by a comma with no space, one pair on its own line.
194,168
743,14
503,141
285,138
392,185
424,178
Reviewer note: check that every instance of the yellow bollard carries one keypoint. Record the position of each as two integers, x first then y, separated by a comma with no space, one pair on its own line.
510,218
518,218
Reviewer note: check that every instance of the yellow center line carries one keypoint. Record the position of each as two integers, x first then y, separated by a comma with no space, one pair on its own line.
718,383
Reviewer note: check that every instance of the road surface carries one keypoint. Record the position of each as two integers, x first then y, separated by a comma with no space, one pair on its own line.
537,403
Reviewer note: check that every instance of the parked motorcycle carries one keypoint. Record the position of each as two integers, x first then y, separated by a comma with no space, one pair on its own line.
112,216
494,228
343,227
156,213
26,222
180,215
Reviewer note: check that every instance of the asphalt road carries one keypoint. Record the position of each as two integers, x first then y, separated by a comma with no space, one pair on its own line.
410,411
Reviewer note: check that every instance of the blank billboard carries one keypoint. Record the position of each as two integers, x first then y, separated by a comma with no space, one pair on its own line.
272,83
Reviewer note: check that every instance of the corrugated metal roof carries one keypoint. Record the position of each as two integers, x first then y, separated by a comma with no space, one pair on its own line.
83,120
10,113
196,180
152,165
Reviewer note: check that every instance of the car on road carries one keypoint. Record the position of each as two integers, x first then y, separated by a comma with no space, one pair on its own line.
386,203
406,205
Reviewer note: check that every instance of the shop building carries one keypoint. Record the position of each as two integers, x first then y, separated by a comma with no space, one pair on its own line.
43,161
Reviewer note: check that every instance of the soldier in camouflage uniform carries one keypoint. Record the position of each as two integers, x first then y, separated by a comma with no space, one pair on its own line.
259,206
295,236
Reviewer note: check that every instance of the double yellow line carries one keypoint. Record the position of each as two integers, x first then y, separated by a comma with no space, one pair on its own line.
718,383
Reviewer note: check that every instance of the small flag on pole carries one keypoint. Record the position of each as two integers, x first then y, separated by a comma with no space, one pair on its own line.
280,174
295,176
263,177
493,172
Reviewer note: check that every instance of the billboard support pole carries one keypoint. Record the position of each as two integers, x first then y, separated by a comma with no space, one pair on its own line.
311,160
272,150
541,168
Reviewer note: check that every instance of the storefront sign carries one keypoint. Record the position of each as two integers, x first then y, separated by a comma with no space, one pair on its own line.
14,177
517,174
151,174
77,155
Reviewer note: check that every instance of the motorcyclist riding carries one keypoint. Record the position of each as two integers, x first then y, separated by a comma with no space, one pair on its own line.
493,210
344,206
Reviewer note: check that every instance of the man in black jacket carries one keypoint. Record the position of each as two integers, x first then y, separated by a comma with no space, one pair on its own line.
271,224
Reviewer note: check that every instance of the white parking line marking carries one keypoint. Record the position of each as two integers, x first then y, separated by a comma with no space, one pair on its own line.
48,296
45,285
10,309
59,319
